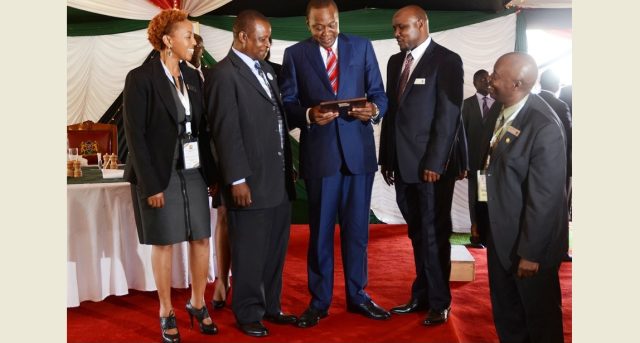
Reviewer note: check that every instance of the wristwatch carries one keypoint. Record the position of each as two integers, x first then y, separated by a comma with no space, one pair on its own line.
377,113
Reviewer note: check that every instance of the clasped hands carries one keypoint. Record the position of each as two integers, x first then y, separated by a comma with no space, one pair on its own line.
320,117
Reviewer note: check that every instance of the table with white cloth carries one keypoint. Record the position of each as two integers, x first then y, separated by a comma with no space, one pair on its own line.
104,256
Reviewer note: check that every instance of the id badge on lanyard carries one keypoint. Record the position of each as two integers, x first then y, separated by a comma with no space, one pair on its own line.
190,149
190,153
482,186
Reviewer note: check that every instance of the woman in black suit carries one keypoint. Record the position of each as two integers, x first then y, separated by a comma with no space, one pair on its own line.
167,163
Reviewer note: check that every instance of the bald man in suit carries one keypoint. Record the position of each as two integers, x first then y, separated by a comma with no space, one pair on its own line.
424,87
522,190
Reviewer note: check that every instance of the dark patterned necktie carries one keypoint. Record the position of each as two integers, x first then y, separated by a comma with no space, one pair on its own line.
404,76
332,70
485,108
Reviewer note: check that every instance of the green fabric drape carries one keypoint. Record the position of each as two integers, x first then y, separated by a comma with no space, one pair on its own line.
521,33
207,59
374,24
83,23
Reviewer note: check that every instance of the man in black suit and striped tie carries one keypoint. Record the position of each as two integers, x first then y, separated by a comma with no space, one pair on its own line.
475,110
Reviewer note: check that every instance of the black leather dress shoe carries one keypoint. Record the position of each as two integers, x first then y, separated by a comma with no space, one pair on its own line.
281,318
310,317
369,309
437,317
255,329
414,305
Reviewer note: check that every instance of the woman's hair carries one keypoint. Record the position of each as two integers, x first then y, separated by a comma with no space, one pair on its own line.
162,24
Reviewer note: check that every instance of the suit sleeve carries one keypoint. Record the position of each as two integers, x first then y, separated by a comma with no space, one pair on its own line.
448,102
544,200
226,131
373,79
136,99
566,122
208,162
296,114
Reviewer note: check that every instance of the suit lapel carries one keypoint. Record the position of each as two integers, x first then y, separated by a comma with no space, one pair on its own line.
393,75
194,95
247,74
163,87
315,59
508,138
344,56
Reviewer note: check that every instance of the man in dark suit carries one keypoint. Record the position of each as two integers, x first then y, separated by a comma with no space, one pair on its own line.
249,134
521,189
550,84
566,96
337,152
475,111
424,87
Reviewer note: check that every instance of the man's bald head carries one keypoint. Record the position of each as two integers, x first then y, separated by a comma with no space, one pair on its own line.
410,27
413,11
514,74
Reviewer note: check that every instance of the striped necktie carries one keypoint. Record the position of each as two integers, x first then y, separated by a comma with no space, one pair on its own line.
332,70
404,76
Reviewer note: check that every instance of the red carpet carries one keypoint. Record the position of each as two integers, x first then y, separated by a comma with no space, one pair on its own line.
133,318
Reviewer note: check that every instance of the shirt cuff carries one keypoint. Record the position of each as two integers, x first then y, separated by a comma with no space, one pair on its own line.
307,116
238,182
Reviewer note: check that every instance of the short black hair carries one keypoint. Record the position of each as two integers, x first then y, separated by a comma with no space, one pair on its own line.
244,21
479,73
319,4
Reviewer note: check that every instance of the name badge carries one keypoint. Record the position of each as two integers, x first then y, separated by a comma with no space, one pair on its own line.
191,155
482,186
512,130
419,81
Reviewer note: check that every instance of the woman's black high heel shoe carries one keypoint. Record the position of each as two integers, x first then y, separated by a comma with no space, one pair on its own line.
201,314
220,303
168,323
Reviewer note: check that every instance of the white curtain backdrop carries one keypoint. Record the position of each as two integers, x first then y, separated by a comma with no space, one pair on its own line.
97,67
129,9
141,9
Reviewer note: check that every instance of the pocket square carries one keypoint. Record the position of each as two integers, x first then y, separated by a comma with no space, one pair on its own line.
419,81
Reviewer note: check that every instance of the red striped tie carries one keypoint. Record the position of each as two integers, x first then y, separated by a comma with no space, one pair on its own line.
332,70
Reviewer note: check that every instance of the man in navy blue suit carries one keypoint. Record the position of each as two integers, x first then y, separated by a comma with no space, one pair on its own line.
337,152
424,86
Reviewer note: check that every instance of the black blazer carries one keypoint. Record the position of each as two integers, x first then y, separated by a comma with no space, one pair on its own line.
562,111
245,136
475,127
458,161
526,189
151,126
419,129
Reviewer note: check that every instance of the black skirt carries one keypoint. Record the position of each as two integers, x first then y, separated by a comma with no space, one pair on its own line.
185,215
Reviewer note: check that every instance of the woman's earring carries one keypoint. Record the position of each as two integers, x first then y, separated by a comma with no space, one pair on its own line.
170,52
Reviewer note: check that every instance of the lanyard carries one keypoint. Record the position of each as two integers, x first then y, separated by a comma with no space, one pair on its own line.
183,95
495,139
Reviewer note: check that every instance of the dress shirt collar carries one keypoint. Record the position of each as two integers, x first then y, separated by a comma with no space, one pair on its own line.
490,100
250,62
510,113
325,54
419,50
